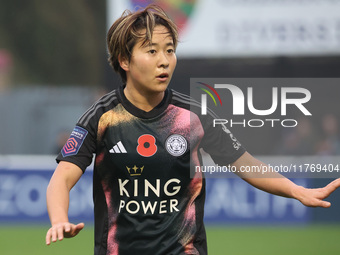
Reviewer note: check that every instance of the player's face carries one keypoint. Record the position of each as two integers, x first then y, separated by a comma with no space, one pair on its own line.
151,66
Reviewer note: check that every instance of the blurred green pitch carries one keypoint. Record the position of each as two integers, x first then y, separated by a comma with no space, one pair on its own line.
234,240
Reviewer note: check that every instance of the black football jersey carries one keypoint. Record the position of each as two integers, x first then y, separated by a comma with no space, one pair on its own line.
147,199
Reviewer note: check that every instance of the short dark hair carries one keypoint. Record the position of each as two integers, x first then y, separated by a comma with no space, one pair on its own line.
125,32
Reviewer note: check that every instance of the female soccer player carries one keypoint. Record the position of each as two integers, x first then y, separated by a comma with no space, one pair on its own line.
145,137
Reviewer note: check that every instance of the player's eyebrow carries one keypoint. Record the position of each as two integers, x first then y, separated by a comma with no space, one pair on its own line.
156,44
170,43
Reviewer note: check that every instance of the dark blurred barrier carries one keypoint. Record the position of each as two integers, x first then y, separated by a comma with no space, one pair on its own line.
23,182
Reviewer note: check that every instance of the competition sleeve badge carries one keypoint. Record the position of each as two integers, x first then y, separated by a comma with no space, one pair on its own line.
75,141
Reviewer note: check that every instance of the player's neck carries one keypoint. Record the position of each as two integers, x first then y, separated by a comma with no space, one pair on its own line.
143,100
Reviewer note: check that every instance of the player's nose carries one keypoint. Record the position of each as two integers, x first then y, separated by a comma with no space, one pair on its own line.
163,60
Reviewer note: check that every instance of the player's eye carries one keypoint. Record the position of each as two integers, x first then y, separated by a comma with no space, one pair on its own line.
170,50
152,51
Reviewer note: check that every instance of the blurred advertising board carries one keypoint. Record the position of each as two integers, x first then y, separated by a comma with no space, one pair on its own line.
23,183
24,179
235,201
236,28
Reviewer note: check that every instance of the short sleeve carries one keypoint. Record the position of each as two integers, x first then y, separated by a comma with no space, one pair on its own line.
220,143
79,148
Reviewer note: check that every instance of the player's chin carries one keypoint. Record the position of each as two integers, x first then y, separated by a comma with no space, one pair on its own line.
161,86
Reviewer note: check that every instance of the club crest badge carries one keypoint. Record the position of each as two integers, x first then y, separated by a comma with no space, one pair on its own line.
176,145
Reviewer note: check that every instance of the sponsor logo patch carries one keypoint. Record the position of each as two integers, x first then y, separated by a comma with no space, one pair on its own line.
176,145
75,141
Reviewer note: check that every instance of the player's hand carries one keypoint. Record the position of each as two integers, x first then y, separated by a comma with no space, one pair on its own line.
315,197
63,230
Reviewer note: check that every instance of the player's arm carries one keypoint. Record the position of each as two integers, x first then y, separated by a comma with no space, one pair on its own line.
64,178
276,184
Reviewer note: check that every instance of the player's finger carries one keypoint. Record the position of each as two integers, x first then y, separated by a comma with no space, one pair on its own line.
54,234
48,237
67,227
318,203
333,185
78,228
324,204
60,231
327,190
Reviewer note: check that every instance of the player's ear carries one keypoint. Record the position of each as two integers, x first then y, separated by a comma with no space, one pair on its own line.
124,63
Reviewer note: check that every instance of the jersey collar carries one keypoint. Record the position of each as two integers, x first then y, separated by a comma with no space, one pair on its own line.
160,108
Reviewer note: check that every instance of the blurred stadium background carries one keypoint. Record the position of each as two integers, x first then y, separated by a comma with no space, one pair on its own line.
53,67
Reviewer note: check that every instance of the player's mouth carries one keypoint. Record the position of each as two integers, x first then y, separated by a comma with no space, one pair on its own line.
163,77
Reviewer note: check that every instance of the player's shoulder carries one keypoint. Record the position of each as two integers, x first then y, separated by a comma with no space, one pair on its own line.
102,105
185,101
